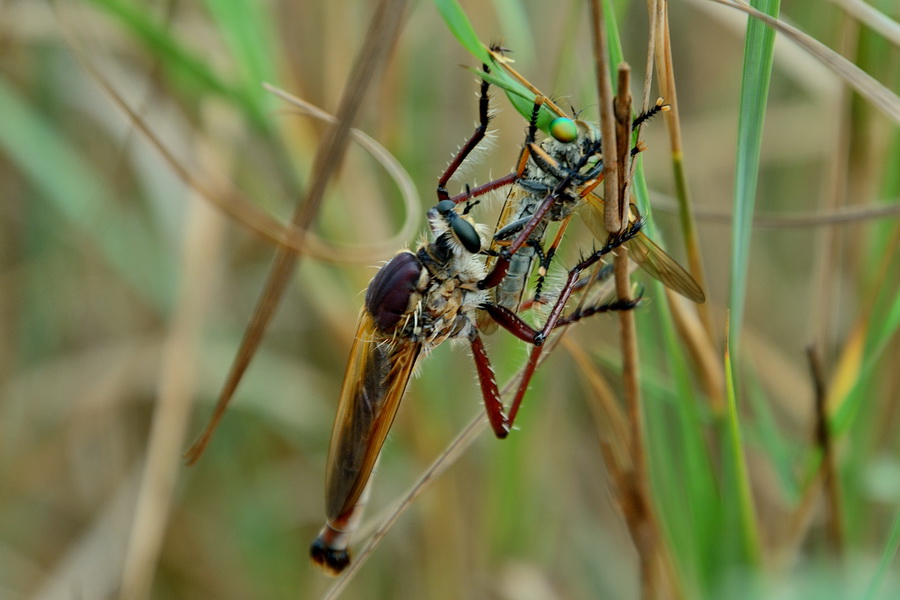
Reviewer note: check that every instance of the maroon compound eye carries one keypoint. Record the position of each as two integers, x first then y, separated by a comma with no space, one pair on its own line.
388,294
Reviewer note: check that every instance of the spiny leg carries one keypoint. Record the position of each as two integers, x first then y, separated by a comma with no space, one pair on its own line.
654,110
522,330
530,136
500,269
489,392
544,265
551,251
476,139
484,118
566,177
514,324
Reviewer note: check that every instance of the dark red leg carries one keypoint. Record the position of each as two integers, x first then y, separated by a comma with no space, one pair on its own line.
484,118
484,188
522,330
535,353
489,391
500,422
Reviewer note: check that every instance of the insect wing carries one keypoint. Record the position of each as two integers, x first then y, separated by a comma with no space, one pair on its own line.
378,372
650,257
662,267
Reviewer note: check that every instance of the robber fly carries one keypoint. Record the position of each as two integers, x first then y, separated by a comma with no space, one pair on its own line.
416,301
552,181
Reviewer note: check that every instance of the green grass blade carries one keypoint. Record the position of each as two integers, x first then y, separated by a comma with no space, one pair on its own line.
887,557
880,331
519,96
517,30
684,482
251,38
736,479
194,73
756,74
766,436
616,55
461,28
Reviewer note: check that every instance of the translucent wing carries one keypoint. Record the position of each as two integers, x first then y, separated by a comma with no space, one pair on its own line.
650,257
378,372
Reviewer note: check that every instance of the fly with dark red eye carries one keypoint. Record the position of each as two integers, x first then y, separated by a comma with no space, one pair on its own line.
415,302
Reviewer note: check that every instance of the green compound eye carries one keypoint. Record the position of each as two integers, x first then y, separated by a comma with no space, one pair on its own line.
563,130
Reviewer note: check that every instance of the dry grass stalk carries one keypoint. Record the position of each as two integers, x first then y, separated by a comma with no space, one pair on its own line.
373,54
615,126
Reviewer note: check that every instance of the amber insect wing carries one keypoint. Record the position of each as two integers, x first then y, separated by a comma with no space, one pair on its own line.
652,259
377,374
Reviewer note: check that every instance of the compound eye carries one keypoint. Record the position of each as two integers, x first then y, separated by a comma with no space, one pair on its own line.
563,130
445,206
466,234
389,293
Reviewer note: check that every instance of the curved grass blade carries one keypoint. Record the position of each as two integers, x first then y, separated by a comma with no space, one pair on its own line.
519,95
183,64
462,29
867,86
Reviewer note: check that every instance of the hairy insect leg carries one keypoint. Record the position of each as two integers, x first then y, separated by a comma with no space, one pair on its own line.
484,118
522,330
654,110
535,354
489,390
547,258
501,267
575,273
530,136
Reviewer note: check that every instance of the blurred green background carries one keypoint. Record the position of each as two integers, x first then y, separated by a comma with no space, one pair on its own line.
124,294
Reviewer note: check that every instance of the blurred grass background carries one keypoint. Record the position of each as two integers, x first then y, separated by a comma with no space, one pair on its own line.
122,287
